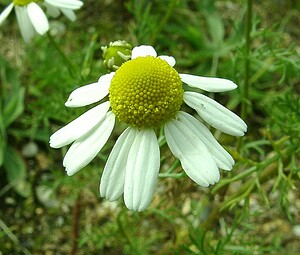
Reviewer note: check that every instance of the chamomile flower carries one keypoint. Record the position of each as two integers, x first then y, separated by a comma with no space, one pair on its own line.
31,18
67,7
146,92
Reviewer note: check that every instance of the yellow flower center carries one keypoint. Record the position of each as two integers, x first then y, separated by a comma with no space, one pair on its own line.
145,92
24,2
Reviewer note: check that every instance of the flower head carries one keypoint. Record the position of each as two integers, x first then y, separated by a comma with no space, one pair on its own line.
146,92
31,18
142,100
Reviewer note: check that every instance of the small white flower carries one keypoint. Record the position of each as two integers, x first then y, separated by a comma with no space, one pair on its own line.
146,92
31,18
67,7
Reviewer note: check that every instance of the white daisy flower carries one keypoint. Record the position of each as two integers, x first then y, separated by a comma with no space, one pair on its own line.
67,7
31,18
146,92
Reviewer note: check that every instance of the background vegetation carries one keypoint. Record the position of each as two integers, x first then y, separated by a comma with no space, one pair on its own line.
253,210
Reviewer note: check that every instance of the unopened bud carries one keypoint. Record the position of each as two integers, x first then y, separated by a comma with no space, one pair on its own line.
116,54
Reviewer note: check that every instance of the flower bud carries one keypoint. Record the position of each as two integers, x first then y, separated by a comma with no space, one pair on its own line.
116,54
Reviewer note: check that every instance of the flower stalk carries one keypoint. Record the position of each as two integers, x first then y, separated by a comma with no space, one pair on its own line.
247,84
69,65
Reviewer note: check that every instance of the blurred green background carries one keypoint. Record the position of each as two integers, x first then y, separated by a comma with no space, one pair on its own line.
253,210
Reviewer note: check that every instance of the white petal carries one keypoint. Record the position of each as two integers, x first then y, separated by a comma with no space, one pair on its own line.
113,177
26,28
69,14
87,147
195,158
221,156
215,114
169,59
91,93
141,171
38,18
143,51
6,12
79,127
68,4
208,84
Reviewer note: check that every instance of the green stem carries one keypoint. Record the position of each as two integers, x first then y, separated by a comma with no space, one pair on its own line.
125,234
245,91
214,65
164,20
247,60
14,238
266,170
65,59
231,201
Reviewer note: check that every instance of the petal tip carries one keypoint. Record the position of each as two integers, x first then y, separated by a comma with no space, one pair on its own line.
69,103
71,171
233,85
52,144
143,51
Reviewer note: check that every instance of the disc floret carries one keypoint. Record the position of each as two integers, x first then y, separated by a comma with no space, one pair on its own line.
24,2
146,92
